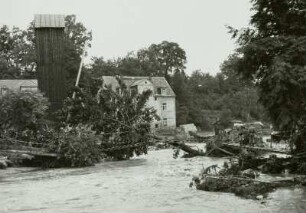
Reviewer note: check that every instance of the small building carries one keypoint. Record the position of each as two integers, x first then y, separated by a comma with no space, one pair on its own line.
49,45
187,128
18,85
162,98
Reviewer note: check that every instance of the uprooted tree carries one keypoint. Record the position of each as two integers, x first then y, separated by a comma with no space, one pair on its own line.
272,52
120,118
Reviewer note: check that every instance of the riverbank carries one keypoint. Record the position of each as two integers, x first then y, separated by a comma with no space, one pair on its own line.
152,183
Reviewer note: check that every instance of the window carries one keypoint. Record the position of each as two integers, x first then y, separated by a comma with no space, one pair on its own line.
161,90
165,122
164,106
134,90
155,98
156,126
28,88
3,91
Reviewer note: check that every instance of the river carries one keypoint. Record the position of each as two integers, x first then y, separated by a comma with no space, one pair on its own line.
150,183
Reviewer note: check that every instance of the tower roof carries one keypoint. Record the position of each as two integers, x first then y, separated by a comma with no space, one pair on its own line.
49,21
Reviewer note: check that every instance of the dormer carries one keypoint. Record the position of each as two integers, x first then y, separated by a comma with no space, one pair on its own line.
161,91
141,85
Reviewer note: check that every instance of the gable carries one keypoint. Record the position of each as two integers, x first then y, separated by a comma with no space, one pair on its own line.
129,81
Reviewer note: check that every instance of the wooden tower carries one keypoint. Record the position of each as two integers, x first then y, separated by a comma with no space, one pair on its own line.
49,41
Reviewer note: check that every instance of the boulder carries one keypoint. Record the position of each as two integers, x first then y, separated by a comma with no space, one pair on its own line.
250,173
3,164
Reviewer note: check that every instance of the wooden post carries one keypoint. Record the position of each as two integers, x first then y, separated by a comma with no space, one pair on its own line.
79,72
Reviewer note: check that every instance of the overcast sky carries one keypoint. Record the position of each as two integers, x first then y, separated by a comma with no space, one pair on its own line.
121,26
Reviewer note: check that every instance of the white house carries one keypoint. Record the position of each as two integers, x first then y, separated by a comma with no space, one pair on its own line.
162,98
17,85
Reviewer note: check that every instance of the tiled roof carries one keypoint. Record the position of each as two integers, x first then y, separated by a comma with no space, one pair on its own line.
49,21
17,83
158,82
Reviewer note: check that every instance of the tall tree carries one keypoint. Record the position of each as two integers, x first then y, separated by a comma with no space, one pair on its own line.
17,53
273,52
77,40
179,84
163,59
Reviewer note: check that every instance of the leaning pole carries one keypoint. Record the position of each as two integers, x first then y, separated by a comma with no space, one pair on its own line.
49,42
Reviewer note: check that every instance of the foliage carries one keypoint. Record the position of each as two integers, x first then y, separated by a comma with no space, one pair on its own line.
157,60
230,168
17,53
272,52
77,146
225,96
166,58
77,39
22,113
122,118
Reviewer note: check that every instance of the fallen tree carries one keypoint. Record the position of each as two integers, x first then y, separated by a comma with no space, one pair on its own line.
243,183
191,152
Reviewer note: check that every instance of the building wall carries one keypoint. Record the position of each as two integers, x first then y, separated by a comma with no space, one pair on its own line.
164,105
166,112
162,101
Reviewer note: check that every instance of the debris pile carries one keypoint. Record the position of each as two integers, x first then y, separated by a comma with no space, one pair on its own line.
243,183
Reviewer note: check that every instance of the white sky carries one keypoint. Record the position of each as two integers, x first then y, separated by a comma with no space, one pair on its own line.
120,26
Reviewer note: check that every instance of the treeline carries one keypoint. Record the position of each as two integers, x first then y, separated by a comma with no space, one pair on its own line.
201,97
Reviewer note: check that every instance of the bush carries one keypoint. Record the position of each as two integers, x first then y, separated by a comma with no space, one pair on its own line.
76,147
22,113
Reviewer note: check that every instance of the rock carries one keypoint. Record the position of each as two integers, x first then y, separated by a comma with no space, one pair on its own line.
9,163
249,173
27,157
3,164
259,197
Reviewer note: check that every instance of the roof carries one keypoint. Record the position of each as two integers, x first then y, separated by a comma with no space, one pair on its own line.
158,82
49,21
17,83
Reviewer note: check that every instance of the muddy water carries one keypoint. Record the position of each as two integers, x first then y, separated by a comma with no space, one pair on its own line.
152,183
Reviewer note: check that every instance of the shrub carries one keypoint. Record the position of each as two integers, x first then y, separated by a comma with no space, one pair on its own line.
76,147
22,113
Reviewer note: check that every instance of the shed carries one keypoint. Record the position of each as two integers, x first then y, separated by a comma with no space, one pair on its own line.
189,128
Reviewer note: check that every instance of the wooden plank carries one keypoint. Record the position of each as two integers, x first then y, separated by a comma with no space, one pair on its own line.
263,149
30,152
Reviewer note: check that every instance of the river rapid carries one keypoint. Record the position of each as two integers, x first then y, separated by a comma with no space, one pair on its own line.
150,183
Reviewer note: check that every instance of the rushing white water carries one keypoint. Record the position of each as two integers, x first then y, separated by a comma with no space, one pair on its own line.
152,183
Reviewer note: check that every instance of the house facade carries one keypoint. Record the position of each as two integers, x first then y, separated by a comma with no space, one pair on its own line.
162,98
18,85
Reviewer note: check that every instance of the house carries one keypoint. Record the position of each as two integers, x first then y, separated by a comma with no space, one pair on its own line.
17,85
162,98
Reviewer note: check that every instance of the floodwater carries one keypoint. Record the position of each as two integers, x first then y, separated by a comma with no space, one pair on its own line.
152,183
